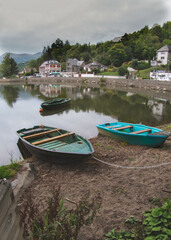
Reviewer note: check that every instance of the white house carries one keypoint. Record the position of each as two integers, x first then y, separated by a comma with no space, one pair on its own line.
163,55
48,67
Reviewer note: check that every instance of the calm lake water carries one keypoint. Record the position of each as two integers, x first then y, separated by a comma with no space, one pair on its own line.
20,104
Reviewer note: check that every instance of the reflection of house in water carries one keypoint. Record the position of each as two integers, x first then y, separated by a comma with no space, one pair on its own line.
157,108
129,94
50,90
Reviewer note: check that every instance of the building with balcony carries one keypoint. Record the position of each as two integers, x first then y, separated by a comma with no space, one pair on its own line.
48,67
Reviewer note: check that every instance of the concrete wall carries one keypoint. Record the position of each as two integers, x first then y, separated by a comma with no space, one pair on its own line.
10,223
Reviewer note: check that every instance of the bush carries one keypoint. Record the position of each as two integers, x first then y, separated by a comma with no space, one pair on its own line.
102,81
155,224
122,71
142,65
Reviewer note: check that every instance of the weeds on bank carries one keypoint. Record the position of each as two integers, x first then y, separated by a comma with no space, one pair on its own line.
154,225
10,170
168,127
102,81
56,222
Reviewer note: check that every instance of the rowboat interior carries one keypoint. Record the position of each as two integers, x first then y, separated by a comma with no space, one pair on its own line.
55,140
132,129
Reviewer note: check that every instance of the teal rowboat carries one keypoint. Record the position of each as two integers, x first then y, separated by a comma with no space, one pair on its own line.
54,144
135,134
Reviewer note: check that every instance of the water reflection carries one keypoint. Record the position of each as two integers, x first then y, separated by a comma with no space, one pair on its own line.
19,108
10,94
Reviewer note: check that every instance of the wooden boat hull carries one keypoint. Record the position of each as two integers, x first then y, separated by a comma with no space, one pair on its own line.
55,103
76,149
136,134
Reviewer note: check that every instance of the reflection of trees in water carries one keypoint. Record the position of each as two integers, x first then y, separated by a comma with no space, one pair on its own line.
132,108
122,105
10,94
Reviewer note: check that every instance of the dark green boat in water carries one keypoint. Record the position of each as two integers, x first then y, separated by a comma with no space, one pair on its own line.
55,104
55,144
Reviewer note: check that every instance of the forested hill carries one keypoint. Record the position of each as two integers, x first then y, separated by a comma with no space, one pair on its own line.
21,58
140,45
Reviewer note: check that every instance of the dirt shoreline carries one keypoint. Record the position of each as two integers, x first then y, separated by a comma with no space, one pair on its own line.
125,192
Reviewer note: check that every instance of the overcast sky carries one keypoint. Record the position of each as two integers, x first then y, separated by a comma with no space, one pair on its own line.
28,26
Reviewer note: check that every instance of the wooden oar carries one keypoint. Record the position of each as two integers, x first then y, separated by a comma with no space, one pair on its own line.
141,131
53,138
41,134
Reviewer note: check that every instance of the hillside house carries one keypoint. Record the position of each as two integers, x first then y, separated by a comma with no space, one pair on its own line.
74,65
28,70
94,65
163,55
49,67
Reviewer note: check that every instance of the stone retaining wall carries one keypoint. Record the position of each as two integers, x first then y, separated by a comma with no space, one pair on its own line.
140,83
10,223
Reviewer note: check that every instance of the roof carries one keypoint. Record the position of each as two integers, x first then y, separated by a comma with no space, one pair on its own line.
50,62
74,62
94,63
166,48
117,39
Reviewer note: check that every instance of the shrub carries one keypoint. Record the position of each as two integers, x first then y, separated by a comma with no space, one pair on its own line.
142,65
56,222
122,71
155,224
102,81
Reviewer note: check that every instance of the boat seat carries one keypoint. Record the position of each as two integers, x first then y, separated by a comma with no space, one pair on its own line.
120,128
41,133
53,138
141,131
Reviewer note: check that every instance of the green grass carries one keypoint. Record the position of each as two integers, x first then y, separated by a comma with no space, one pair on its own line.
146,72
108,73
9,171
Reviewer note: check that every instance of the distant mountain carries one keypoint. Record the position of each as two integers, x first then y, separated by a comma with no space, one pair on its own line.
23,57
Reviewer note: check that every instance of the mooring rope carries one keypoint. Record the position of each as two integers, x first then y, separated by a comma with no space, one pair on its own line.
125,167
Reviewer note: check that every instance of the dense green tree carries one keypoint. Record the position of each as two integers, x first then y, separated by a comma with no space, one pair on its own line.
74,52
32,63
8,66
117,54
156,30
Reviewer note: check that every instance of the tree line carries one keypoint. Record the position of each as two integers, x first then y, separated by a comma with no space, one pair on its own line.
136,46
140,45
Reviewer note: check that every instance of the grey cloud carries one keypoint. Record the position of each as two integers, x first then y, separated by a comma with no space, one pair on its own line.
30,25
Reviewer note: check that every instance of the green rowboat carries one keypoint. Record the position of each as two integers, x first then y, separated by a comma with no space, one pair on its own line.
55,103
55,144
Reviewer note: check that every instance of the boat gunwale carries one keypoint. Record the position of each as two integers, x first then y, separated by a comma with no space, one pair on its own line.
102,126
56,102
59,152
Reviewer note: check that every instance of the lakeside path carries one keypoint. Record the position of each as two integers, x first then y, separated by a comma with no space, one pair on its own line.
125,192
